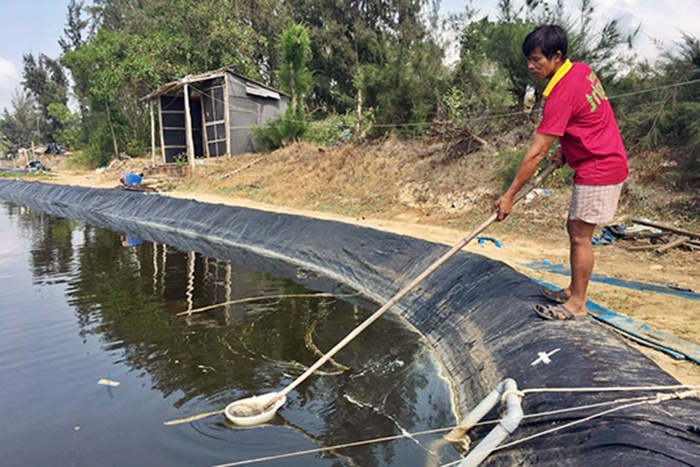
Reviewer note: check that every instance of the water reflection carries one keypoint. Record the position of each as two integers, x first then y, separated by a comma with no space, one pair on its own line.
129,294
130,240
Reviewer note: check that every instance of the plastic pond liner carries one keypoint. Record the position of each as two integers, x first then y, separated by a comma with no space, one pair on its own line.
475,312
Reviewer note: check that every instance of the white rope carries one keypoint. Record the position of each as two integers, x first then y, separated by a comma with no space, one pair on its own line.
675,85
585,407
332,448
691,390
611,389
507,393
656,400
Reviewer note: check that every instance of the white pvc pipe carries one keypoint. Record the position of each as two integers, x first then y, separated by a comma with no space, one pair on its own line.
477,413
508,424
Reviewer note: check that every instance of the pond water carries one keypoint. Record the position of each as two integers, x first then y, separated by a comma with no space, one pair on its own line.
82,304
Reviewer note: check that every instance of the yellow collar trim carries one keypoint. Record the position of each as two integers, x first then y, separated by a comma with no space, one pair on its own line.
561,72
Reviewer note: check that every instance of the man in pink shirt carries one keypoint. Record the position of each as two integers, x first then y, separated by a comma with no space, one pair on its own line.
577,112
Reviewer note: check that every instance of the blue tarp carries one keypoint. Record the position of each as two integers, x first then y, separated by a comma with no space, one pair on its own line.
640,332
663,288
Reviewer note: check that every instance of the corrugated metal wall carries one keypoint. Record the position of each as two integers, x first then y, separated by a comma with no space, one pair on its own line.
247,109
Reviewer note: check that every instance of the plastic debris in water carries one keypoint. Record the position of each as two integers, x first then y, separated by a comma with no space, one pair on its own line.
108,382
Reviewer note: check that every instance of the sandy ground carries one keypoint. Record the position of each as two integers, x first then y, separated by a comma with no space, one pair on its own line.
677,316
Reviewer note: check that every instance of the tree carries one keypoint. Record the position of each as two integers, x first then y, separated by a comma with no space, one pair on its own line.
491,53
295,79
498,44
19,126
404,86
349,36
668,116
294,74
44,79
608,50
5,144
116,70
134,47
75,27
69,135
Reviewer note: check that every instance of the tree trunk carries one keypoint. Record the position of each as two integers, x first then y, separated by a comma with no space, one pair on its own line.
358,124
293,88
111,129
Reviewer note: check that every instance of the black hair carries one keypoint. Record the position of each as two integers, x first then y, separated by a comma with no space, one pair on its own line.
550,38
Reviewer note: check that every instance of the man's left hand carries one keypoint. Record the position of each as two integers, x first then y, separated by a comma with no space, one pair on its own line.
503,205
557,158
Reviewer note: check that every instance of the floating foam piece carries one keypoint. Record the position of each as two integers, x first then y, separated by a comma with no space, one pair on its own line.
108,382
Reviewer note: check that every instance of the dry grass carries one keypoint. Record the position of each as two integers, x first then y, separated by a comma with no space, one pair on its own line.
394,179
368,179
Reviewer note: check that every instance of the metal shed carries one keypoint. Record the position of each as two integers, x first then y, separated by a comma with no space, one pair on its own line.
211,114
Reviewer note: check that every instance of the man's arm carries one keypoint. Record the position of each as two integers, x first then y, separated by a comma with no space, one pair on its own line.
528,166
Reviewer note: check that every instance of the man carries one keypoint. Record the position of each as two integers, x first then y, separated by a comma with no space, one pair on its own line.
577,112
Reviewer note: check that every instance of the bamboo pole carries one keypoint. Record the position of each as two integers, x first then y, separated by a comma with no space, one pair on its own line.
670,228
226,175
190,312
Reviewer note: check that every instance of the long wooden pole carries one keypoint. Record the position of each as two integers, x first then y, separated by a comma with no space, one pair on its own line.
670,228
355,332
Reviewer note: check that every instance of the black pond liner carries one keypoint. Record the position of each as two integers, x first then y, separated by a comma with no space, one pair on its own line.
475,312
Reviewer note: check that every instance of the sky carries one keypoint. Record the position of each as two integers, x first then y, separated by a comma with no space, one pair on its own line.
34,26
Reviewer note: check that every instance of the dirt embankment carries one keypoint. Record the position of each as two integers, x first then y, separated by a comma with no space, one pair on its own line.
417,190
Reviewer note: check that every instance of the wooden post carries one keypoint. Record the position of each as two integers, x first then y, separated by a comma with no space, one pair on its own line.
153,136
160,127
205,140
188,127
227,114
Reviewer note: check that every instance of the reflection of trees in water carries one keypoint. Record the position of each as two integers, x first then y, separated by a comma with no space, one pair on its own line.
129,297
136,292
51,240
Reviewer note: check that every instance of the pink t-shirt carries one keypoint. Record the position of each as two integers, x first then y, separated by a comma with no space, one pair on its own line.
577,110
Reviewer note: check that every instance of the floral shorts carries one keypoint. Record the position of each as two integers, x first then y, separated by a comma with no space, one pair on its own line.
594,204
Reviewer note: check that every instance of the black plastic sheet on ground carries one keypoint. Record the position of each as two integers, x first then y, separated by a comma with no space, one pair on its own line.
475,312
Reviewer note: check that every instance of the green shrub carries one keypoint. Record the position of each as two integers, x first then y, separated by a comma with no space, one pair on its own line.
511,162
335,129
280,132
80,160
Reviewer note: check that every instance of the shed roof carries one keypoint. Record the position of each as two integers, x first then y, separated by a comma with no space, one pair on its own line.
164,89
